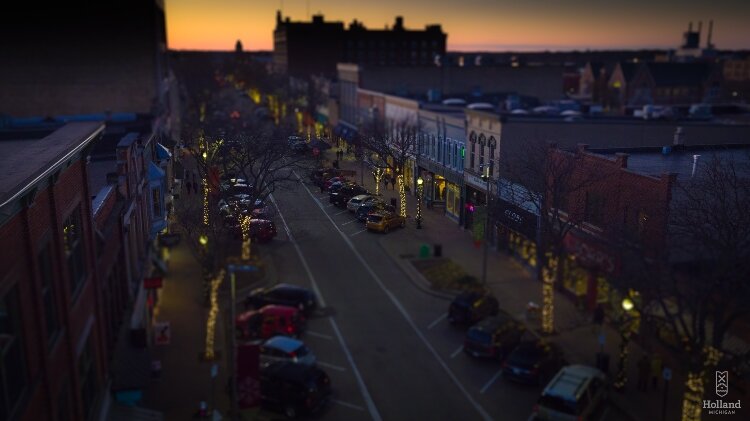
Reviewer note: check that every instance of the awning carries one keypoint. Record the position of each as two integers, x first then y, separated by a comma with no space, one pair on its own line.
154,172
162,152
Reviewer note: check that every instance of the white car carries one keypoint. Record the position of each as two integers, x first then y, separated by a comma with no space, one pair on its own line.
355,202
284,348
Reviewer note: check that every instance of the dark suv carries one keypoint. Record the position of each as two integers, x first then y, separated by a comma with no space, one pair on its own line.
294,388
471,307
494,337
283,294
342,195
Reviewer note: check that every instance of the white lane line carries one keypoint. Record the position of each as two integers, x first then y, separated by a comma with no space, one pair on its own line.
458,351
401,309
331,366
342,212
329,205
358,232
347,404
319,335
347,223
360,382
492,380
438,320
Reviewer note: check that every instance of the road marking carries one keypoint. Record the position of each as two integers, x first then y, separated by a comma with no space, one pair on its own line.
347,404
360,382
458,351
401,309
358,232
347,223
329,205
331,366
319,335
492,380
343,211
438,320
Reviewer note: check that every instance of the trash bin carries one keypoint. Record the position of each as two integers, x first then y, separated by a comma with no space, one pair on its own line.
602,362
394,202
438,250
424,251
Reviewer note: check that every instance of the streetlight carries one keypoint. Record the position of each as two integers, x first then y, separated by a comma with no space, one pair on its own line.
485,168
420,183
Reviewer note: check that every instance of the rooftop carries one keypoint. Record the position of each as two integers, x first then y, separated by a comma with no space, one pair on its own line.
680,162
25,162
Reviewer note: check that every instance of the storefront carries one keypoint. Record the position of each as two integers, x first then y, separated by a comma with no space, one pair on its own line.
516,232
475,197
452,200
587,270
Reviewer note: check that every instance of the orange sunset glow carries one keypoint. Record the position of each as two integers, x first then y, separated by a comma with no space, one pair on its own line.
491,25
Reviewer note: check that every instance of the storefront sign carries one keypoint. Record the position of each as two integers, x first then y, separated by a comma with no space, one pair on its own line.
152,283
476,181
590,254
517,219
519,196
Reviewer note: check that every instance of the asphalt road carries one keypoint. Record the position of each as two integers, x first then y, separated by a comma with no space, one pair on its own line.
386,344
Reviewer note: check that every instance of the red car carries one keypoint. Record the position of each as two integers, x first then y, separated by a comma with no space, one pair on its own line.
262,230
269,321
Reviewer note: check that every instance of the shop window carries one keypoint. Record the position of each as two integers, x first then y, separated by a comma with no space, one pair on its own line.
49,305
87,374
73,241
13,365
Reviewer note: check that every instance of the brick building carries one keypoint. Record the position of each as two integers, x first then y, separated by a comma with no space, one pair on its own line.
303,49
53,340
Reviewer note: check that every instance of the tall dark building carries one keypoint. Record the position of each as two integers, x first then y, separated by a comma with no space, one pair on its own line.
313,48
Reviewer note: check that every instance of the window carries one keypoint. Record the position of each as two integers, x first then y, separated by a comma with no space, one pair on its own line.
73,240
493,145
12,363
473,140
156,201
594,212
449,158
51,320
482,143
440,150
461,161
87,373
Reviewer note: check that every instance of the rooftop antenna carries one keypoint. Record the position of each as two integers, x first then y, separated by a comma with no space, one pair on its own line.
710,33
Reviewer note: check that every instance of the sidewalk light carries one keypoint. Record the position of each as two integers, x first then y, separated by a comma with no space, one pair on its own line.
420,183
203,239
627,304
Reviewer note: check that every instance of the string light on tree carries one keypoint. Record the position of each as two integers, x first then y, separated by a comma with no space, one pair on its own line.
420,186
210,352
692,403
548,295
401,195
245,224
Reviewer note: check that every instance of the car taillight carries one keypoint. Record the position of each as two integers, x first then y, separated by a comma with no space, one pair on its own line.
289,329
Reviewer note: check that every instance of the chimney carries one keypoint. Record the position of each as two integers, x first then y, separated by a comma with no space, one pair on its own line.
710,34
690,27
278,16
621,159
399,23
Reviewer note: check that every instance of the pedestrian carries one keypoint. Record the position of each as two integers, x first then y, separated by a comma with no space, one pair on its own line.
644,366
656,367
189,186
598,318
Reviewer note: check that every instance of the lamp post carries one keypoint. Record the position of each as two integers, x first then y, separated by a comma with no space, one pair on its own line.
486,178
627,325
232,268
420,183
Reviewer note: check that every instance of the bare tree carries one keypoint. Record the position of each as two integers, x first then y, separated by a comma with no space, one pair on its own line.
697,290
389,147
549,182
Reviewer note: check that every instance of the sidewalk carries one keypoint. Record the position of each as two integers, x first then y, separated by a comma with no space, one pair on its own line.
514,286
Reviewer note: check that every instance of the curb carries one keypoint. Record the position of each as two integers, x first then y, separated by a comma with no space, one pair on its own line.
414,276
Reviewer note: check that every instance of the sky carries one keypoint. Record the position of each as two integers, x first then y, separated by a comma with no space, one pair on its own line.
489,25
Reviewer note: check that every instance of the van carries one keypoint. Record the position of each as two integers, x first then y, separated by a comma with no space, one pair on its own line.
577,392
270,320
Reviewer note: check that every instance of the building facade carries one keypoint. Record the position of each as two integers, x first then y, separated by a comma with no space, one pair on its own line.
53,341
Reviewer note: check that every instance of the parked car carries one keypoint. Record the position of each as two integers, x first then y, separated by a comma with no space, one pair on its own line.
494,337
577,392
291,140
355,202
284,348
471,307
294,389
300,147
283,294
342,195
534,361
383,221
372,206
333,180
268,321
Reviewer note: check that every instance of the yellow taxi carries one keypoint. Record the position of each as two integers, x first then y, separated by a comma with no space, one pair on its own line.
383,221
